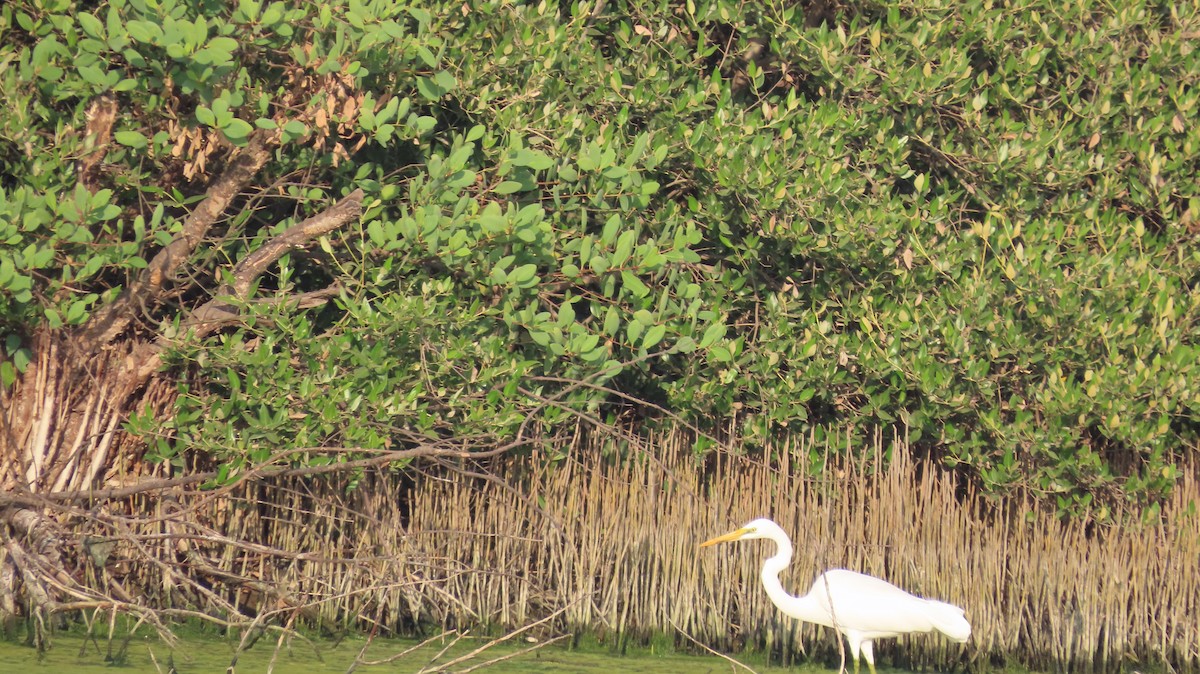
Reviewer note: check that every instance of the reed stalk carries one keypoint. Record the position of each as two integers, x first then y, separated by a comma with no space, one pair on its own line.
608,536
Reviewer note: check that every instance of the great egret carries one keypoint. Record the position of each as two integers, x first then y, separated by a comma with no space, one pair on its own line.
863,608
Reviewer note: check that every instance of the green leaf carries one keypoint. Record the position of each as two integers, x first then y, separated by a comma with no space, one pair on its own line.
522,274
445,81
612,321
566,315
292,130
654,335
21,358
634,284
508,187
131,139
205,116
237,131
91,25
225,44
250,9
532,159
633,330
76,312
273,14
93,75
624,247
711,334
611,227
144,31
429,88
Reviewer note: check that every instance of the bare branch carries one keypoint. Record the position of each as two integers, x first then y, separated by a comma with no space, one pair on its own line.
217,311
295,237
515,654
101,117
705,647
499,640
31,499
113,319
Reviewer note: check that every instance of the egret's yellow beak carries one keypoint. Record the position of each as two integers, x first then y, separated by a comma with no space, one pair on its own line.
731,536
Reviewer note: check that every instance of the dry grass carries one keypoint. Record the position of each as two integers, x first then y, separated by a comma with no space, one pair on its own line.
613,545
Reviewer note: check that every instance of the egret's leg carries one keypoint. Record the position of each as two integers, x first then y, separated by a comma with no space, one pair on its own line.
854,643
868,651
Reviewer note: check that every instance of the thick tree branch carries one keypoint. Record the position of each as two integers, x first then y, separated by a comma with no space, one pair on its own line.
216,315
295,237
101,117
217,311
244,164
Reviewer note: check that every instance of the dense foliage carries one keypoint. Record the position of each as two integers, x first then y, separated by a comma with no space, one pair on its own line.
976,220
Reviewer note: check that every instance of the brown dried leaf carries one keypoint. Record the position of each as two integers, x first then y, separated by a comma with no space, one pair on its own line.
339,153
180,142
350,109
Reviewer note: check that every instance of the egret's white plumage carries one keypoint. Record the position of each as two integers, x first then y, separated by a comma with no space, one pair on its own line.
861,607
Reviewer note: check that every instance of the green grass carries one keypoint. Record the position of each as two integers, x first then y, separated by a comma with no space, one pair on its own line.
208,653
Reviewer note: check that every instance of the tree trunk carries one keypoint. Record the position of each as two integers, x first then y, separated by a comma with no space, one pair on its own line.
62,438
63,433
63,418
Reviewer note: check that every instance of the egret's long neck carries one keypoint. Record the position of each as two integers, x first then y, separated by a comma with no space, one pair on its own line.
803,608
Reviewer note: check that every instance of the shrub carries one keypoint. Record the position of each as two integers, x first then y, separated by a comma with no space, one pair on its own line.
976,224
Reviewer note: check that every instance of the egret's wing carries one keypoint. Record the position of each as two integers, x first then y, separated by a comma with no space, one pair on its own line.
873,606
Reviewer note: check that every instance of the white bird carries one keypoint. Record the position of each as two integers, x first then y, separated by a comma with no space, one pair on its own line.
863,608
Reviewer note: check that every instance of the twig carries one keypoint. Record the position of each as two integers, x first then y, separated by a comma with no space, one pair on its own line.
692,639
837,632
458,637
515,654
154,660
500,640
358,660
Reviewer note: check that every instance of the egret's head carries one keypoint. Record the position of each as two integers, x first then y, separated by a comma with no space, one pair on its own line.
760,528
